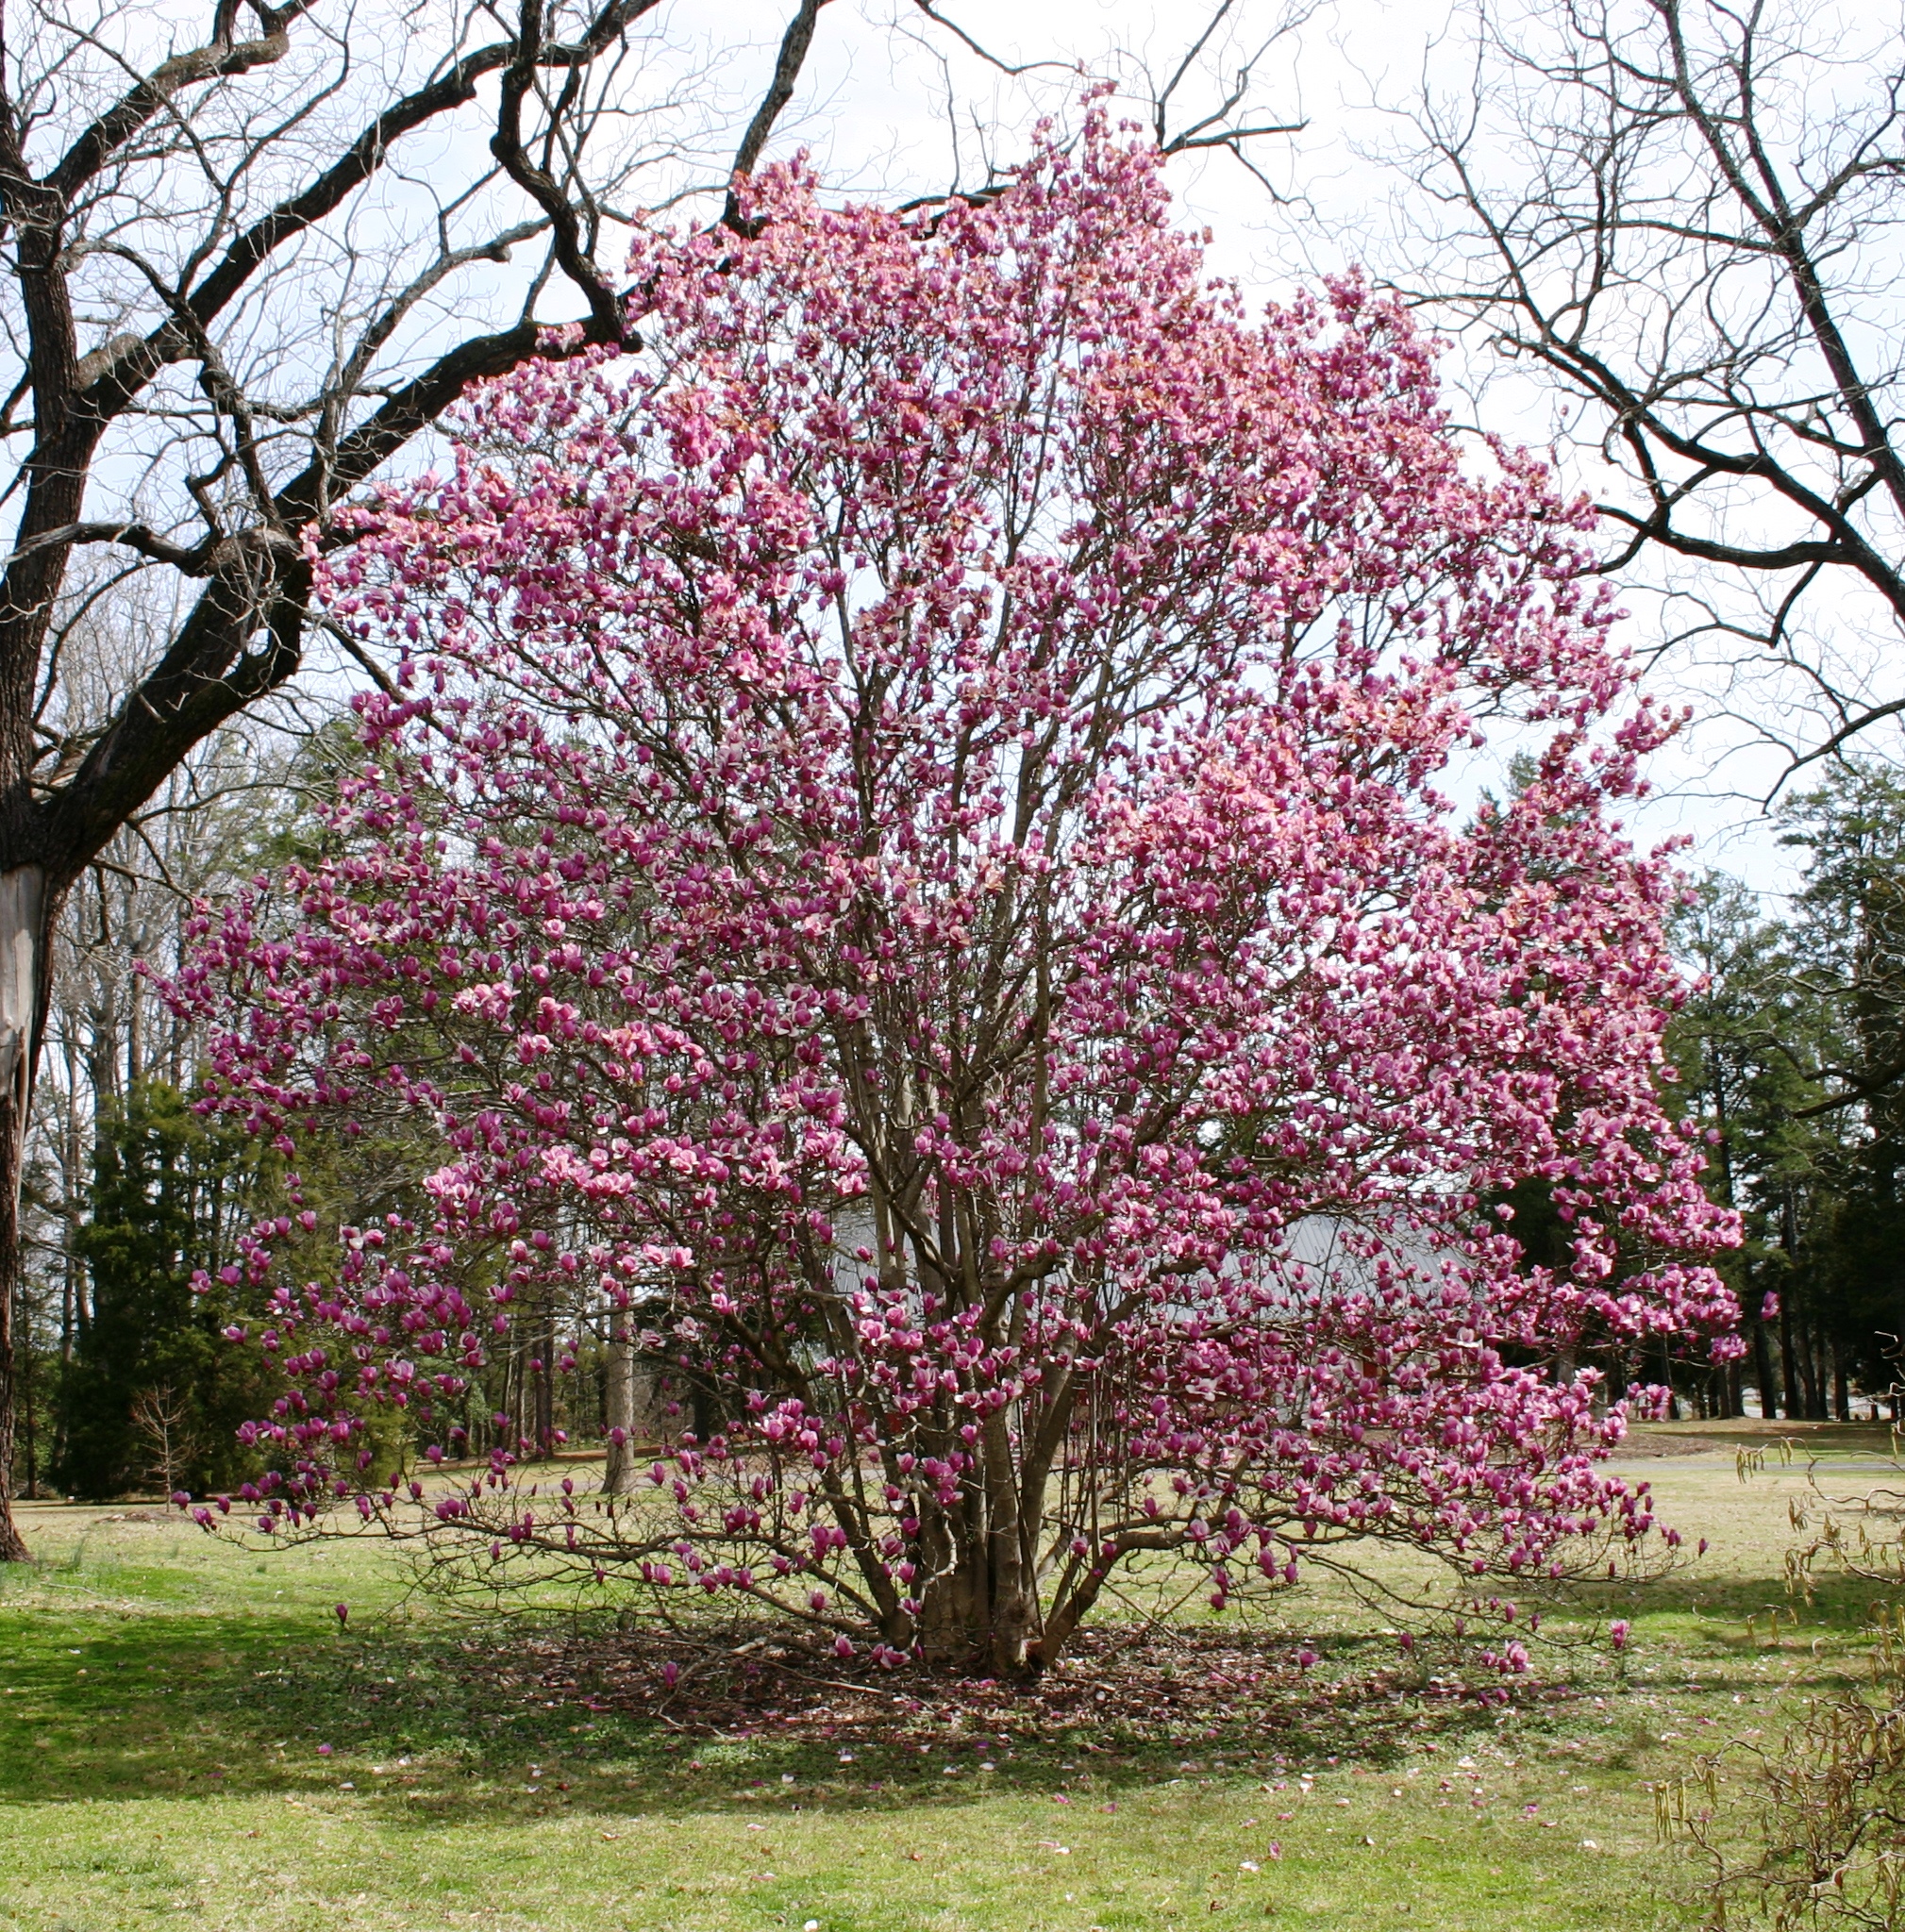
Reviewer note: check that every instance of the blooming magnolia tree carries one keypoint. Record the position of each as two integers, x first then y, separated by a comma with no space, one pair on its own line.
903,865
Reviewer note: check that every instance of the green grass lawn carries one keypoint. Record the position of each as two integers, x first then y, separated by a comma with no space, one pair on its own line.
186,1736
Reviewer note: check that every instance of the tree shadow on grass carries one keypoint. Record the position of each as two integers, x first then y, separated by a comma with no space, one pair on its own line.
436,1720
437,1717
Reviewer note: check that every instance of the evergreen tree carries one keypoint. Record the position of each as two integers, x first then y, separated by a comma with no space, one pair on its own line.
1851,958
1792,1047
1742,1043
153,1395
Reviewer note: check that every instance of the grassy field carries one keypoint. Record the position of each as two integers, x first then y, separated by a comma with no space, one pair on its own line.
187,1735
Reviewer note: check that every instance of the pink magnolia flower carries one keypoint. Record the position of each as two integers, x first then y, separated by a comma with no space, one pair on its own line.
907,870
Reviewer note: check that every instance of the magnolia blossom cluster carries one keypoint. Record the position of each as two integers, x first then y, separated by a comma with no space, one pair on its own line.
903,872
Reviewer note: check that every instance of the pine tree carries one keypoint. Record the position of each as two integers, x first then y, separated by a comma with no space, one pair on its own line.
153,1395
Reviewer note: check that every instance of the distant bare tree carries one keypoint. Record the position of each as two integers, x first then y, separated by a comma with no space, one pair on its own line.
1687,215
255,251
163,1419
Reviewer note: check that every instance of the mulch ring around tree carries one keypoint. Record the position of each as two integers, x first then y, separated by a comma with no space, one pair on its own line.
1139,1685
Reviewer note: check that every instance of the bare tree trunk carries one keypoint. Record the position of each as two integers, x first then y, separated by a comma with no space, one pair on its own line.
1806,1353
981,1598
135,1058
1794,1404
1818,1407
1762,1364
545,1385
1791,1405
1012,1621
618,1475
22,953
71,1150
30,1413
945,1618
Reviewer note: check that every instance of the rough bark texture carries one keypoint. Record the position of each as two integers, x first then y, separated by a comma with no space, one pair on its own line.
24,921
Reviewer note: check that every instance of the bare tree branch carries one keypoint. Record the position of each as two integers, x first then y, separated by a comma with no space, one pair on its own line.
793,56
1685,217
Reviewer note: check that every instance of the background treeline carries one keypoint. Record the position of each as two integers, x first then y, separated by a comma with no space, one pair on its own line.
1791,1052
125,1381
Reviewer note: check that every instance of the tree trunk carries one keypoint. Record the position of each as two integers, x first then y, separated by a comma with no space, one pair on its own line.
71,1286
29,1414
1667,1381
1809,1374
22,953
618,1474
1793,1404
1762,1364
981,1599
951,1624
545,1385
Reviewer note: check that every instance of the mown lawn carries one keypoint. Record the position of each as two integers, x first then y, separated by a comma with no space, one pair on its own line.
186,1735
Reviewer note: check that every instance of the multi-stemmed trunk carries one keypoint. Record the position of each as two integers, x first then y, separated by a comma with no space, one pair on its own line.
991,1594
983,1598
990,1599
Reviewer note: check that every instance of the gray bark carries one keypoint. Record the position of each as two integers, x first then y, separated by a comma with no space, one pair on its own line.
22,992
618,1477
